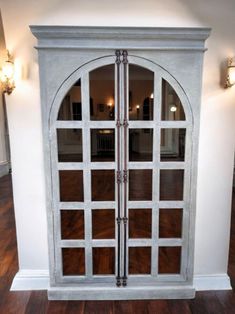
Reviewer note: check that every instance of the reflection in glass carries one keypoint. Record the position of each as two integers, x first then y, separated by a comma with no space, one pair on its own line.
103,185
102,105
141,86
172,144
140,144
103,260
103,224
169,260
73,261
140,223
69,142
71,185
71,106
72,224
170,222
171,185
172,108
140,185
102,145
139,260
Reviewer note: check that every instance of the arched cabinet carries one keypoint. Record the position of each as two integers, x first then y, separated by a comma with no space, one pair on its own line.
120,119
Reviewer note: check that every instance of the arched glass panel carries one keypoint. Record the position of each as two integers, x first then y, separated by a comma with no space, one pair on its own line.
102,103
141,85
172,108
71,106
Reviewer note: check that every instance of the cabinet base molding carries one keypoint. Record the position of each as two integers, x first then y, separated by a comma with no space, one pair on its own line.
89,293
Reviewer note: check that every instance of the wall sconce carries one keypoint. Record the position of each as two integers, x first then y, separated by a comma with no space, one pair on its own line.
230,73
7,75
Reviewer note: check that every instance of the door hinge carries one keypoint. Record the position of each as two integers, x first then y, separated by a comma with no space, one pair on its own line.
125,176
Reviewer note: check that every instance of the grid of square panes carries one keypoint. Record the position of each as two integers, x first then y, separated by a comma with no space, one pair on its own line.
142,149
84,153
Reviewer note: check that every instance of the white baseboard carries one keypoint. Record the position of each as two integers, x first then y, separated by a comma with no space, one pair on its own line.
30,280
39,280
4,168
212,282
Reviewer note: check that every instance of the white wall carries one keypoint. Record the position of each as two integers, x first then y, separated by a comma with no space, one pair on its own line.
217,133
3,152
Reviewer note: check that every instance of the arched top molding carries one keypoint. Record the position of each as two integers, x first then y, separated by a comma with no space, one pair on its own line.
97,63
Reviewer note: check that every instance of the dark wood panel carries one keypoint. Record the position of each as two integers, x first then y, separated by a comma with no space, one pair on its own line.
38,300
103,185
103,224
103,261
171,185
169,260
170,223
72,224
71,185
73,261
140,223
140,185
139,260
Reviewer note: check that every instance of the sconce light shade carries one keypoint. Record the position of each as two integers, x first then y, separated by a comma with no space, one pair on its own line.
230,73
7,75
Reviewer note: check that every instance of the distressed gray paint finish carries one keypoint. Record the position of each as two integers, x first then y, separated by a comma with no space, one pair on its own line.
176,54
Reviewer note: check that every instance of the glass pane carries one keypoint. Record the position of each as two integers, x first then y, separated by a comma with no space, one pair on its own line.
103,185
172,144
103,261
72,224
102,145
172,108
103,224
71,185
140,185
141,85
139,260
169,260
170,223
69,145
71,106
73,261
171,185
140,144
140,223
102,93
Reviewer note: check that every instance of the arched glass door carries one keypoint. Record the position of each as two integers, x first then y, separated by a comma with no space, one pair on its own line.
122,143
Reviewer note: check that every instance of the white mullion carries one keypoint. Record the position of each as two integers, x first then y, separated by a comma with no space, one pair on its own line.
141,124
186,215
171,204
172,165
69,124
102,165
170,242
86,171
72,243
173,124
56,202
70,166
156,174
71,205
139,165
103,243
102,124
140,204
139,242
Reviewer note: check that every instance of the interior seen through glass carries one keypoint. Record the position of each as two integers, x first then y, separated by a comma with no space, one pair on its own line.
102,98
141,86
172,108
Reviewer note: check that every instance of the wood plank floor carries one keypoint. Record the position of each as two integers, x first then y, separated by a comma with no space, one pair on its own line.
34,302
